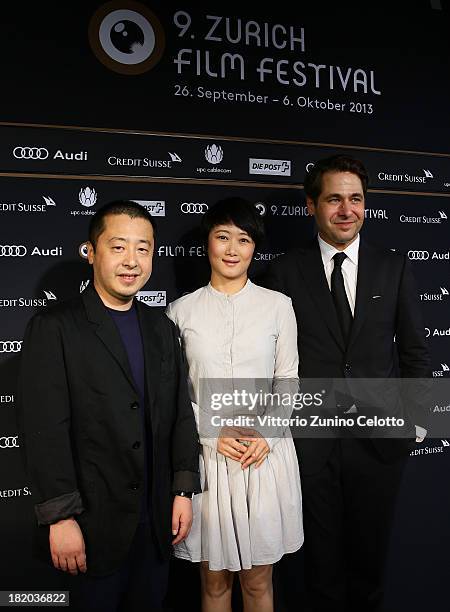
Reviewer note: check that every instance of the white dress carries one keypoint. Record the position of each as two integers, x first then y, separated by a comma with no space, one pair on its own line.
254,516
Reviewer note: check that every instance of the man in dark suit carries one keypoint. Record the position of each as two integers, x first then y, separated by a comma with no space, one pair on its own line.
358,316
109,433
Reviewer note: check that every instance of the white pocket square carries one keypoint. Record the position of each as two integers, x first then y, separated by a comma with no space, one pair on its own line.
352,410
374,297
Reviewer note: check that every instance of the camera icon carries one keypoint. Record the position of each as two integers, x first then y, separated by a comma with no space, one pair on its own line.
126,37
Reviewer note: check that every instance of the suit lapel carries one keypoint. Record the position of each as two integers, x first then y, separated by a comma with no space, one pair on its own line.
106,330
367,272
152,351
311,268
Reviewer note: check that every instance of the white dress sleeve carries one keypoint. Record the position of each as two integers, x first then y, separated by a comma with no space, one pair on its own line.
285,378
211,442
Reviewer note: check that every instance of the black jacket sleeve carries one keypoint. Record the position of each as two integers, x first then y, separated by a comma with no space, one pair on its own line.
185,442
44,421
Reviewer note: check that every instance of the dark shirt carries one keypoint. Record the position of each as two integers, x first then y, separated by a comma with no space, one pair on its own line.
128,325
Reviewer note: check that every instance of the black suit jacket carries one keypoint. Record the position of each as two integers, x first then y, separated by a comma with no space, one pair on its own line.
387,336
80,420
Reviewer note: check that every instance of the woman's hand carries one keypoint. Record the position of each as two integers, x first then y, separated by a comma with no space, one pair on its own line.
231,448
257,450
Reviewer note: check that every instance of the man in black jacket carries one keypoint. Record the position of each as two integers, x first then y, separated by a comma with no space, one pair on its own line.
109,433
358,317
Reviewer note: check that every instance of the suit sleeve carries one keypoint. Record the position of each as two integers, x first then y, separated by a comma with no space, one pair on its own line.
44,421
185,444
414,357
271,278
413,354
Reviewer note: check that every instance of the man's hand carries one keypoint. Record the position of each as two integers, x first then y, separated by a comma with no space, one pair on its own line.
181,518
67,546
256,452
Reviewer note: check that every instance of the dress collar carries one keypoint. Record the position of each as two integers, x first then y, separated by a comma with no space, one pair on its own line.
230,296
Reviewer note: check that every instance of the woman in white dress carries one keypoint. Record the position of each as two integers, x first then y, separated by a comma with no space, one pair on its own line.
249,514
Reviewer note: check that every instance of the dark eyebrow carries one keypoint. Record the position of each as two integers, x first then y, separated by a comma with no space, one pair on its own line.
116,238
241,232
124,239
339,195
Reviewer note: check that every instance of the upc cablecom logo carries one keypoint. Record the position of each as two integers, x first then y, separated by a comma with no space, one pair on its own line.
126,37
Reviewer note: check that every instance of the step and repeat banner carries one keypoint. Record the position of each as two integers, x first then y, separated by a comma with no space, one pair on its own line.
179,107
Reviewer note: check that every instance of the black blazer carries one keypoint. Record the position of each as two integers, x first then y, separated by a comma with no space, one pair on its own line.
372,351
80,422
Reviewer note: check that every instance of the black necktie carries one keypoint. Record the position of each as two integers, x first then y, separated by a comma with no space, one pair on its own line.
340,297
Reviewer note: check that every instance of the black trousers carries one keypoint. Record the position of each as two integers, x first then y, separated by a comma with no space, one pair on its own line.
348,508
139,584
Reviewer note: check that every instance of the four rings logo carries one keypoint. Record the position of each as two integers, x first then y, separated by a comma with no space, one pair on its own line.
9,442
10,346
12,250
30,153
196,208
418,255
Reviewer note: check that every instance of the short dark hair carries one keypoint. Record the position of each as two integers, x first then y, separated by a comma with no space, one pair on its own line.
234,210
336,163
117,207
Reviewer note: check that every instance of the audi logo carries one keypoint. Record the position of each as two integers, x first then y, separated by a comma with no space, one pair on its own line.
10,346
12,250
9,442
418,255
196,208
30,153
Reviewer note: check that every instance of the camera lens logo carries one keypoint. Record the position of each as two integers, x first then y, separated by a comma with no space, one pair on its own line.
261,208
83,252
126,37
